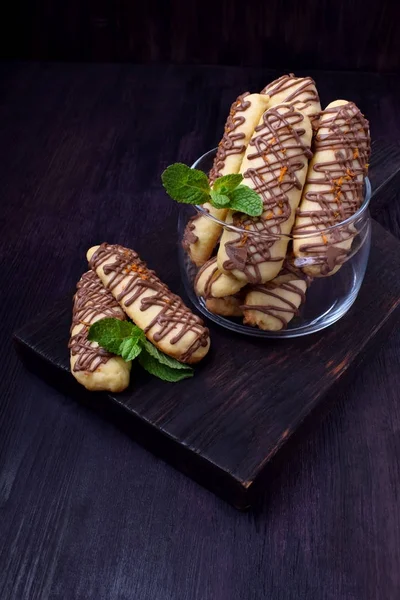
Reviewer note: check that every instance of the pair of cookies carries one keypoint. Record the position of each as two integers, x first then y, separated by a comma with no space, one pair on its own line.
119,284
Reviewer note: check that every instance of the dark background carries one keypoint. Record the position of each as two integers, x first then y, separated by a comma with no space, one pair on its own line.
316,34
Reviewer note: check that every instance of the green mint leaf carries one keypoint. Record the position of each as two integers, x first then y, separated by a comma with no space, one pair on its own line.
186,185
246,200
164,358
160,370
110,332
219,200
119,337
227,183
130,348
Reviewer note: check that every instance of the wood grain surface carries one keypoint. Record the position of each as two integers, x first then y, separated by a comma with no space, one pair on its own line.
84,512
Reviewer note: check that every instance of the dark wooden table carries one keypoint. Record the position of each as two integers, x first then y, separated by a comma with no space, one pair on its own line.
85,513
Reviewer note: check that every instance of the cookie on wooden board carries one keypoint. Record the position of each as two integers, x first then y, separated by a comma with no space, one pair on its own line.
91,365
164,318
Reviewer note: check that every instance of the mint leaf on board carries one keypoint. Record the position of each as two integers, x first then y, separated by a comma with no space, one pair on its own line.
110,332
153,366
227,183
246,200
219,200
186,185
164,358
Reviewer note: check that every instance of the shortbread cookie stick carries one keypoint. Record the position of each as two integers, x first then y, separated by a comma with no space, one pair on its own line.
221,293
210,281
162,315
243,117
201,233
300,92
271,306
91,365
230,306
333,190
275,166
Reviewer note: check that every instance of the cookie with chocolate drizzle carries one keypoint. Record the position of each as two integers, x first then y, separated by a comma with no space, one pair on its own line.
91,365
164,318
202,234
222,294
271,306
333,190
300,92
211,282
275,166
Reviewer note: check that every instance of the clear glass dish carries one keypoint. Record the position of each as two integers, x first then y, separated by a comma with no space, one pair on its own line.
327,299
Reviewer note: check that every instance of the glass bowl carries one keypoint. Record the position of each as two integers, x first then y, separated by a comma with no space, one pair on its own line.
328,298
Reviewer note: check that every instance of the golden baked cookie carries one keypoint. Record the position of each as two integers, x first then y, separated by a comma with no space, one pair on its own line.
275,166
164,318
91,365
334,189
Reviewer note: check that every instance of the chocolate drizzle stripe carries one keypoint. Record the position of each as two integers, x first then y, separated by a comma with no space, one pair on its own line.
278,143
91,300
173,319
337,184
288,268
189,236
212,276
231,141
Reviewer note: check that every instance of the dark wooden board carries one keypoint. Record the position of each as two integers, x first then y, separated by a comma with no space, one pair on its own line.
248,397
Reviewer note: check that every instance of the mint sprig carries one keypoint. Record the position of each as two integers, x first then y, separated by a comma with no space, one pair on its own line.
128,341
186,185
190,186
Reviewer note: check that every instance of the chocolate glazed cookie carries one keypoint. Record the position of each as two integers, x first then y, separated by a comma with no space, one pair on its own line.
299,92
162,315
91,365
275,166
202,234
333,190
271,306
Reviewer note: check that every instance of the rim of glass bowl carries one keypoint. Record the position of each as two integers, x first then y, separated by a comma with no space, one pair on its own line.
355,217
